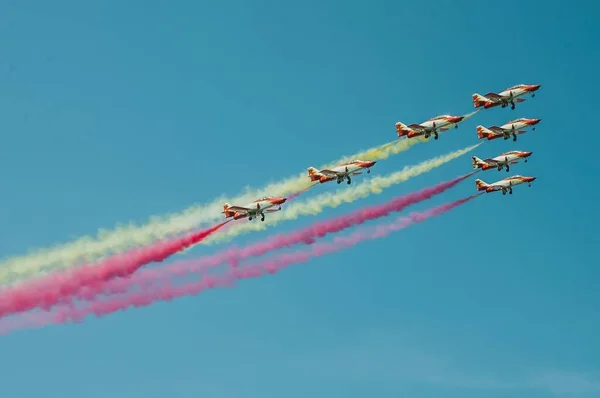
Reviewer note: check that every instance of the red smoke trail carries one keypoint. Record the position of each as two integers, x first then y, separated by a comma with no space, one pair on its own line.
168,292
307,235
49,290
90,291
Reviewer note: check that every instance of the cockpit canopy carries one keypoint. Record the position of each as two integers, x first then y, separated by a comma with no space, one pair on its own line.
517,86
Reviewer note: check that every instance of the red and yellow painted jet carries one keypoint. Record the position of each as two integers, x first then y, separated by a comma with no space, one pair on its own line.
504,185
341,172
432,126
513,128
509,96
254,209
501,161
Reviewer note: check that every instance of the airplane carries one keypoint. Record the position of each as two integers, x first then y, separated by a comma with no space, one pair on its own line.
503,160
513,128
508,96
341,172
433,126
504,185
254,209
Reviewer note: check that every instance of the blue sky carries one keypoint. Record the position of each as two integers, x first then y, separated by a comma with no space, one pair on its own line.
116,111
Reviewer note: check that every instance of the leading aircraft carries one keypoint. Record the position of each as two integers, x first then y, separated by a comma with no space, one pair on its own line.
504,185
501,161
254,209
503,98
341,172
433,126
513,128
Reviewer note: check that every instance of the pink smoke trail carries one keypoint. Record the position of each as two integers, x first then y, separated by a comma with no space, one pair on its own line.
91,291
169,292
307,235
49,290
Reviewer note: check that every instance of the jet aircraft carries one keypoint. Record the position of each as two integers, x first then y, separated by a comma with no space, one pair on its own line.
501,161
509,96
254,209
513,128
341,172
504,185
432,126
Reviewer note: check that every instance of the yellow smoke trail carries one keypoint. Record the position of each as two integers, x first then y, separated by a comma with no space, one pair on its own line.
470,115
88,248
317,204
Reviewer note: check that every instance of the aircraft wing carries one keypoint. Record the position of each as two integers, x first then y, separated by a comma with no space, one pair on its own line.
271,210
417,127
497,129
238,209
329,172
493,96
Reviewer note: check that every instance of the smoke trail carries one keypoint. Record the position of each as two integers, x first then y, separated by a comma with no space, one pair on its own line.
325,200
89,248
307,235
47,291
169,292
300,192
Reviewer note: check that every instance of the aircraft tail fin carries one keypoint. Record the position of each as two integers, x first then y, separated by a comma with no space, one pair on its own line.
479,100
483,133
228,213
477,163
481,185
314,174
402,129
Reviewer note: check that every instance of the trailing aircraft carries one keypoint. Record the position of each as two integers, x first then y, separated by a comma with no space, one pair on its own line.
254,209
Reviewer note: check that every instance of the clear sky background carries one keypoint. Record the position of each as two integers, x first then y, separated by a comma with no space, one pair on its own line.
113,111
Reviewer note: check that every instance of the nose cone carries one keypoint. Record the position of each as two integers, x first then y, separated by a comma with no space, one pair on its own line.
279,201
535,121
535,87
527,154
456,119
370,163
530,179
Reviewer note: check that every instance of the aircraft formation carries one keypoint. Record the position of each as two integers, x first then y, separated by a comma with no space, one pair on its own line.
510,96
119,273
